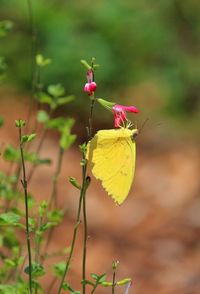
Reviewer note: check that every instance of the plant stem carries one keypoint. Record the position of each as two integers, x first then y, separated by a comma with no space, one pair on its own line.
81,198
82,192
85,233
113,282
91,116
24,184
84,202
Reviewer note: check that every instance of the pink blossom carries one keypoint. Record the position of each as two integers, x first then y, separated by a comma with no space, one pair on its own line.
90,86
120,113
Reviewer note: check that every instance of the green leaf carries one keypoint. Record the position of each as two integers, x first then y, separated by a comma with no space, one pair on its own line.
41,61
85,64
56,123
87,282
42,97
42,116
9,218
66,140
11,154
20,123
56,90
55,216
46,226
65,100
5,27
66,286
59,268
28,138
99,278
9,262
42,208
37,270
124,282
74,182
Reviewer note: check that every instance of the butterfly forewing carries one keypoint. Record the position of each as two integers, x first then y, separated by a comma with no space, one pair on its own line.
112,157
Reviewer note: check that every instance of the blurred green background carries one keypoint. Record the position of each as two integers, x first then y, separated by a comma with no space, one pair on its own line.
149,51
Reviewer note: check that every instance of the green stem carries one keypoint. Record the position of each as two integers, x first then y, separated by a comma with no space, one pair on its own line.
84,202
113,282
82,193
85,233
24,184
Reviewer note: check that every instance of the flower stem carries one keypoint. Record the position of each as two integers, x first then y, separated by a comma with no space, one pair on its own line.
82,193
84,201
24,184
113,282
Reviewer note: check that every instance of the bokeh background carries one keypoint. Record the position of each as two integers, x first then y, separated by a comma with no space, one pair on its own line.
149,56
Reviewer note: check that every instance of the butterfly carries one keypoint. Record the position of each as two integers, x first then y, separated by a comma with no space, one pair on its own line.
112,154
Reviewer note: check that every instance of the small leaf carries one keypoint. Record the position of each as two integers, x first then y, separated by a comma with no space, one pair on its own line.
56,90
37,270
46,226
42,97
11,154
9,218
66,286
28,138
74,182
20,123
65,100
55,216
42,208
87,282
9,262
124,282
42,116
85,64
106,284
41,61
66,140
59,269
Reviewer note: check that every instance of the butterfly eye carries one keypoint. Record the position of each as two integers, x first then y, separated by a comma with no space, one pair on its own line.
134,134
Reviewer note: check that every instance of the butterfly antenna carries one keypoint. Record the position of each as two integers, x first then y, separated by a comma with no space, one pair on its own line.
143,125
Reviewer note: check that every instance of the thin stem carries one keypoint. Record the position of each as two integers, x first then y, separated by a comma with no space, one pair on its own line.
24,185
84,202
82,193
91,117
113,282
85,234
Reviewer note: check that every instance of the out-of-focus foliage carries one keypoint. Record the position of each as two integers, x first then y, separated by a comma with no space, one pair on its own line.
154,44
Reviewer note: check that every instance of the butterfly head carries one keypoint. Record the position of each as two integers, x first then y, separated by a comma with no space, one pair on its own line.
134,134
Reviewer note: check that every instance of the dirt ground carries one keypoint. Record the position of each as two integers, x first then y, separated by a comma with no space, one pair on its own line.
155,234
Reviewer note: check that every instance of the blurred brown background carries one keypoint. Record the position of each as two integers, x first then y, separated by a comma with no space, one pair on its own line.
149,57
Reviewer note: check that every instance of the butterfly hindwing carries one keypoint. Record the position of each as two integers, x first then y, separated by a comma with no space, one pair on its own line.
112,157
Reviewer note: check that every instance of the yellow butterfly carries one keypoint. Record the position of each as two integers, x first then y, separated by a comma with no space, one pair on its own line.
111,154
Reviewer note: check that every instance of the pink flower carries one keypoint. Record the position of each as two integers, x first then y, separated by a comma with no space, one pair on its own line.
120,113
90,86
